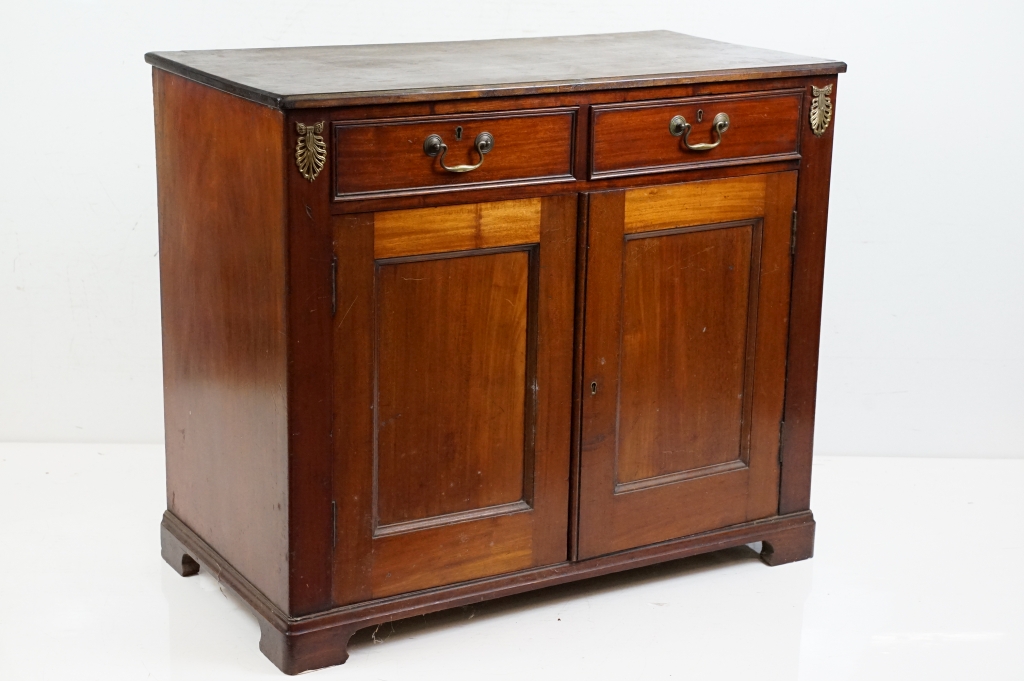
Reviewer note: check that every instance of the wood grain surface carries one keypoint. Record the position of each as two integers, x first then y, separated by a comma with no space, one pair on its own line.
310,381
299,77
805,329
634,138
451,384
685,369
720,487
385,158
461,227
469,354
222,207
693,203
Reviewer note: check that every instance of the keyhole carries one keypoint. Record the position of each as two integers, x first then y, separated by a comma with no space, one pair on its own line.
593,388
458,133
700,115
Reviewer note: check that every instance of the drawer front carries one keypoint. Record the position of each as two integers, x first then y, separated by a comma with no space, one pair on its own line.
635,138
381,158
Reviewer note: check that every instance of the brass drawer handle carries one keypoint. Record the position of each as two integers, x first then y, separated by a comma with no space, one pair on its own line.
678,126
434,145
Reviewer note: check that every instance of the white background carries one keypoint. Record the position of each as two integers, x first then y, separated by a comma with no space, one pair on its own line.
924,299
921,584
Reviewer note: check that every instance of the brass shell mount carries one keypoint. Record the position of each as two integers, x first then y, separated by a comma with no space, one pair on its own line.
679,127
310,149
434,146
821,109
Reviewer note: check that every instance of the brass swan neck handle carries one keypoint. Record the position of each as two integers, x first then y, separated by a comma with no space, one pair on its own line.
679,127
434,145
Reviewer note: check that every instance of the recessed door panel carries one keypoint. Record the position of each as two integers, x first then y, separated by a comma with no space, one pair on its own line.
686,316
684,358
451,385
453,367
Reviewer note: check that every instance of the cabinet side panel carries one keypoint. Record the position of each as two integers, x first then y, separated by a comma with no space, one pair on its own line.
805,319
220,173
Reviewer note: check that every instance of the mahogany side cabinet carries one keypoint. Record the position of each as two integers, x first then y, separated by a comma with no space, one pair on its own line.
446,322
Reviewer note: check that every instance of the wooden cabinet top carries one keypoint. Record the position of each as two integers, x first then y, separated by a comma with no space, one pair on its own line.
303,77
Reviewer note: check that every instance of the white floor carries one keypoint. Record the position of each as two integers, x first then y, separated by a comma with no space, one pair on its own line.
917,576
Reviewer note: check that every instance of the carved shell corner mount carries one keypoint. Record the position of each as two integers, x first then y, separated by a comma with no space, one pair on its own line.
821,109
310,150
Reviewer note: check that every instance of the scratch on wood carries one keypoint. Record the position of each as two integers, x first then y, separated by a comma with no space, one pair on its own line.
348,310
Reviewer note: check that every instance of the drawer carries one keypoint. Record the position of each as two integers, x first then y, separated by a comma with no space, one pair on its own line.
635,138
389,157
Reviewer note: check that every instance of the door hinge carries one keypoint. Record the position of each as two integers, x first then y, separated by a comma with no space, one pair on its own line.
782,430
334,524
334,285
792,236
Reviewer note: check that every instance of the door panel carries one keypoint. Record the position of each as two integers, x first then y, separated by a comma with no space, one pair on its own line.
451,392
684,369
684,358
453,361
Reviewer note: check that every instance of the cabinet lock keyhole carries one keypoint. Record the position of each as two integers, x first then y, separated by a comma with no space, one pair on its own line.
593,388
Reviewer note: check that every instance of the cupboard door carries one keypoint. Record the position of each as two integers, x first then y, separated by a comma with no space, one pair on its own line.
687,307
453,359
